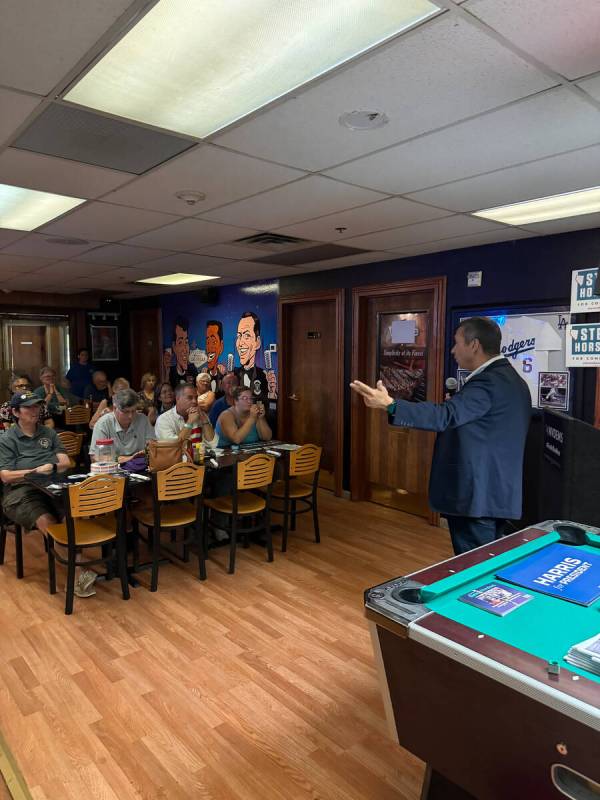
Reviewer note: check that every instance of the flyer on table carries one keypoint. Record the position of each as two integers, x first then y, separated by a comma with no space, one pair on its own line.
582,290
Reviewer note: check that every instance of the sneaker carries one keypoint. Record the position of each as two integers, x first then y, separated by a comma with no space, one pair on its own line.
220,535
84,584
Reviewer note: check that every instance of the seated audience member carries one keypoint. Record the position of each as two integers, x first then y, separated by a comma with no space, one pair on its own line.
21,382
99,389
206,396
185,421
166,398
147,397
56,397
80,373
29,447
106,406
244,422
128,429
228,383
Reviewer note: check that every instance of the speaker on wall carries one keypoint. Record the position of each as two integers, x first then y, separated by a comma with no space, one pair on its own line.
208,294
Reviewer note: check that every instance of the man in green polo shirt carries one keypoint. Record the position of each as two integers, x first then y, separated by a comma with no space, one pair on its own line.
26,448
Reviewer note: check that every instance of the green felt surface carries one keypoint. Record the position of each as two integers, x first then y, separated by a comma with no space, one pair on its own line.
545,626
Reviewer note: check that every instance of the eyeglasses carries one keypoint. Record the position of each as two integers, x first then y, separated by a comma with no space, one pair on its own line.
21,385
245,398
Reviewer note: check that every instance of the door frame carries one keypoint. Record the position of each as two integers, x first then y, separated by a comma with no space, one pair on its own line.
337,296
360,343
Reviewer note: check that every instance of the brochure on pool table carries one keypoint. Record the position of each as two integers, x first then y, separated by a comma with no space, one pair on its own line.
559,570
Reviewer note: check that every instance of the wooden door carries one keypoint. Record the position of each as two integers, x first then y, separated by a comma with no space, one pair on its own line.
145,334
391,465
28,345
310,401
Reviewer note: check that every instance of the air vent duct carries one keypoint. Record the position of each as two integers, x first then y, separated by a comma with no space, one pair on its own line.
272,242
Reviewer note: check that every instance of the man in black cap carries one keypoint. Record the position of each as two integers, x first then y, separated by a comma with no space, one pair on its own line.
26,448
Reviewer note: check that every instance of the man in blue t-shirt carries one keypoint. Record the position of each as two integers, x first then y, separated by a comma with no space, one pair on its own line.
228,384
80,374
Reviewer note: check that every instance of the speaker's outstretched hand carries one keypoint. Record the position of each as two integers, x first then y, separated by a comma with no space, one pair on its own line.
374,398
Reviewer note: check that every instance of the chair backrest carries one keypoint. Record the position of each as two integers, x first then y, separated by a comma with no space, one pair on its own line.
72,442
77,415
179,481
305,460
99,494
255,472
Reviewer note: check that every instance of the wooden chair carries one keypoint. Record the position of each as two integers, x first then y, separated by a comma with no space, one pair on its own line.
176,502
77,415
72,442
255,472
94,517
299,486
18,533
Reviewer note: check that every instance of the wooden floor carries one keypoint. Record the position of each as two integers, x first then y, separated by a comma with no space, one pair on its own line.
254,686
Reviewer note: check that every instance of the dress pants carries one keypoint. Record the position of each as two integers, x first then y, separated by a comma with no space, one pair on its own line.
470,532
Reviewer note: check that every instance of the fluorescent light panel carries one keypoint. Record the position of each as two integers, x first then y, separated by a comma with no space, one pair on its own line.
557,206
27,209
194,67
178,279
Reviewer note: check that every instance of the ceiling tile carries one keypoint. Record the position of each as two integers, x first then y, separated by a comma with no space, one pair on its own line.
231,251
8,236
422,232
121,255
184,262
562,34
439,73
15,107
459,242
390,213
591,86
63,270
582,222
189,234
107,222
304,199
42,41
350,261
39,244
222,176
551,122
47,174
563,173
22,263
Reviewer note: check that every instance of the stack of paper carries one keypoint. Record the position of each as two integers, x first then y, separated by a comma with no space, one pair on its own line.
586,655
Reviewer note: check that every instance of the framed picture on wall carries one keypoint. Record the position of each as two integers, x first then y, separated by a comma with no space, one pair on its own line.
553,390
402,354
105,342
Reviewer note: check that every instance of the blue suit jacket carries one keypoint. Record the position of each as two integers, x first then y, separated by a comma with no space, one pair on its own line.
477,466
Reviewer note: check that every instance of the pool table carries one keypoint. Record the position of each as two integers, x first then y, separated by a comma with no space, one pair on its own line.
488,702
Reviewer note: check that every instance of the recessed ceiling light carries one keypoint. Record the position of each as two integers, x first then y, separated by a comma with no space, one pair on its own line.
27,209
178,279
557,206
364,120
196,67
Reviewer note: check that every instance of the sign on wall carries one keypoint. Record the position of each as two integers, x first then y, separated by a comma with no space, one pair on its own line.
583,345
236,334
583,282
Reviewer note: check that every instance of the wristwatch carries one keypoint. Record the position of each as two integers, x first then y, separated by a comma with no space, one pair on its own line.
54,469
188,425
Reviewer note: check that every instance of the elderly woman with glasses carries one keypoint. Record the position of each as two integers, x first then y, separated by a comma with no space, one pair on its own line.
244,422
21,382
56,397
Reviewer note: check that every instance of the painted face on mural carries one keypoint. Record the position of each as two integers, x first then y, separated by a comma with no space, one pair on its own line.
247,342
214,346
181,347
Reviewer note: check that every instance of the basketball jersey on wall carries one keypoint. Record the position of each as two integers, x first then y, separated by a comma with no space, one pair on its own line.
526,343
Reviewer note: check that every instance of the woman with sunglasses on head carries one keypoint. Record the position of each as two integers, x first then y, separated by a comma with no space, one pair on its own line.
244,422
21,382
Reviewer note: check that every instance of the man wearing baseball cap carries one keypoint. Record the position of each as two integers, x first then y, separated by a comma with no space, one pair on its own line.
26,448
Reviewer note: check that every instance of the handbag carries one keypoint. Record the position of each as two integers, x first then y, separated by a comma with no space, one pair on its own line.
163,454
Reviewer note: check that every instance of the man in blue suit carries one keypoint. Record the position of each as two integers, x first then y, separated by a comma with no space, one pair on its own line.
477,467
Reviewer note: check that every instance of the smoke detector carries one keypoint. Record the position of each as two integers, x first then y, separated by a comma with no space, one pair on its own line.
363,120
190,197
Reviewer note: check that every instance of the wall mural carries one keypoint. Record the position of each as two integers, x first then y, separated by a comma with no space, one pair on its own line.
237,334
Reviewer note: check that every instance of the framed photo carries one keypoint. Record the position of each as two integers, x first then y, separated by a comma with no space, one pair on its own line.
105,342
553,390
402,354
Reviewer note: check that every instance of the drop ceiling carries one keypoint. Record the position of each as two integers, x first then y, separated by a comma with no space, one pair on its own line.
489,102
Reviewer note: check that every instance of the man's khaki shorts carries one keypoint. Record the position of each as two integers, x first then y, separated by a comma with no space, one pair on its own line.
25,504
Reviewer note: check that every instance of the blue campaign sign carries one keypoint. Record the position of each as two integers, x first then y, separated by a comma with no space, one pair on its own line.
583,284
583,345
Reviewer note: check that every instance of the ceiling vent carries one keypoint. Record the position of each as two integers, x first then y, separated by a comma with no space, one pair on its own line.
272,242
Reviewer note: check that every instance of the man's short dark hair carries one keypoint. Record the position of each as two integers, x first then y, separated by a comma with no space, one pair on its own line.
247,314
485,330
181,387
83,350
218,324
180,322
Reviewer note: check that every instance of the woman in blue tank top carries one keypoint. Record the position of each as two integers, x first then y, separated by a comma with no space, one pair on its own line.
244,422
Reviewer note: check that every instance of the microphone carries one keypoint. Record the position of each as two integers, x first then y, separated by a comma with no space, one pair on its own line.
268,362
451,386
230,362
